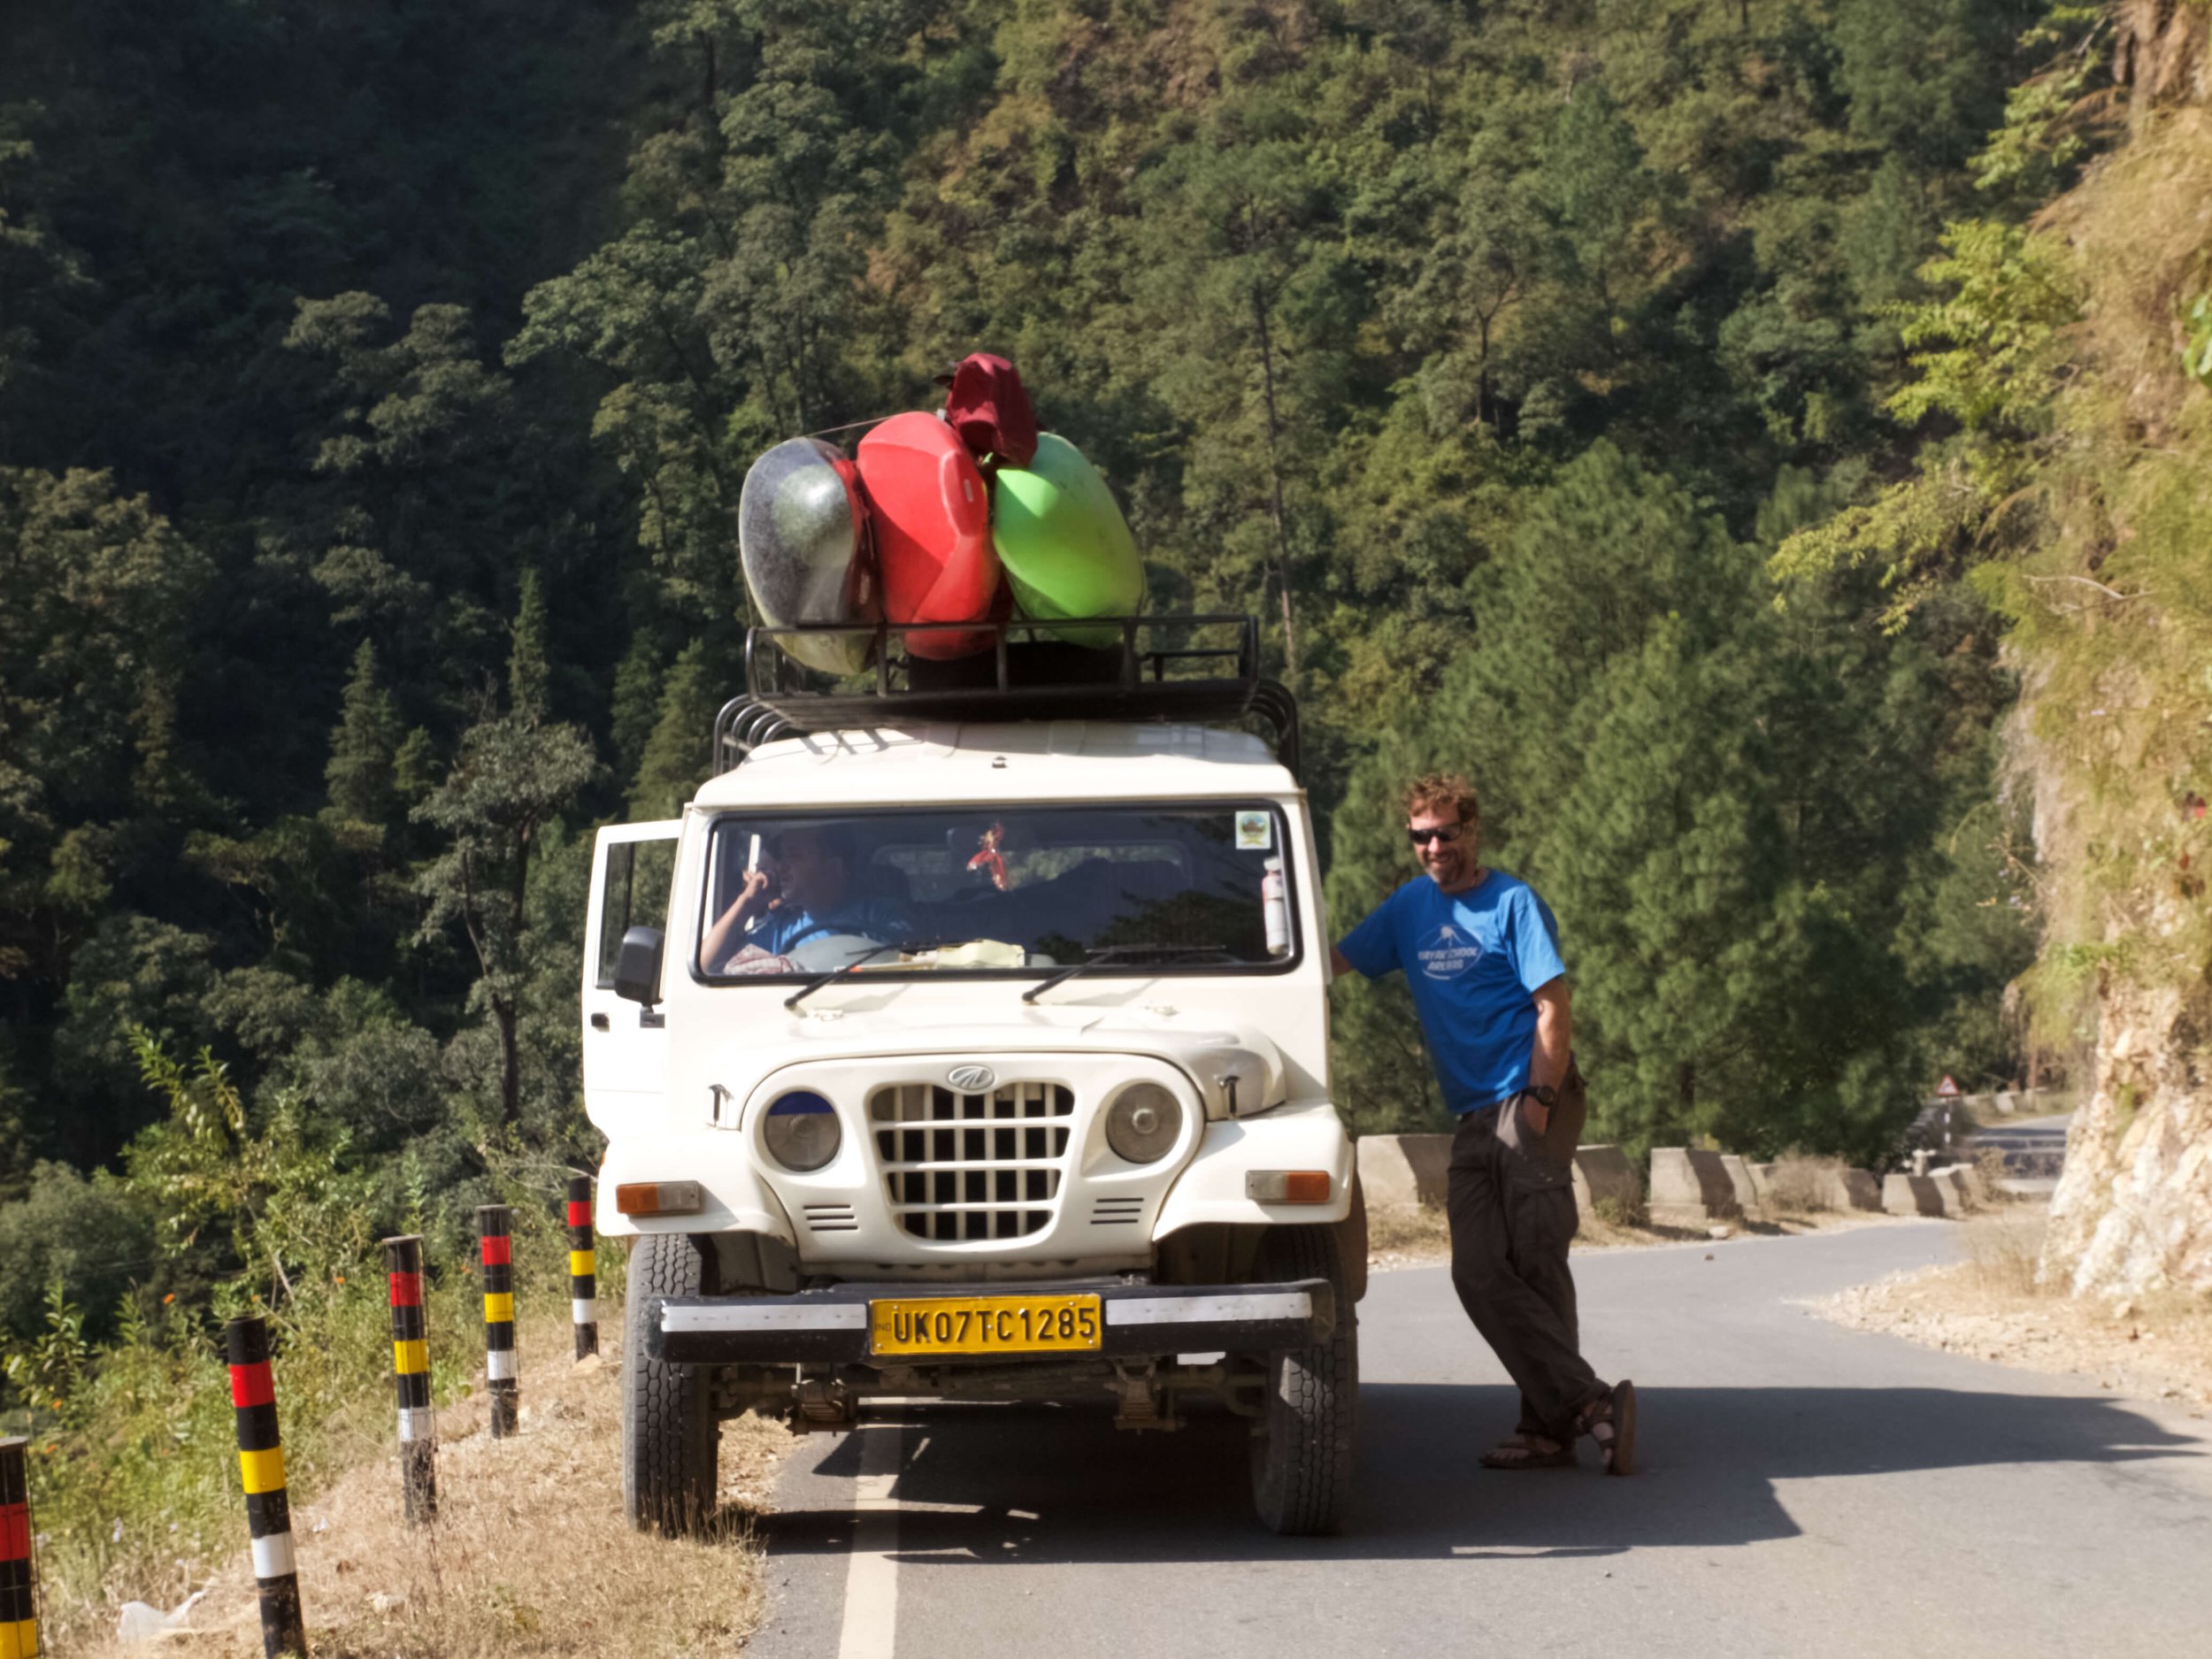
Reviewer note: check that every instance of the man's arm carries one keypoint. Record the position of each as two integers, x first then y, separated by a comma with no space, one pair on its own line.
1337,963
1554,1041
727,930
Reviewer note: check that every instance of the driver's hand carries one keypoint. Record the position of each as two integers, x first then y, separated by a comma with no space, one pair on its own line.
751,896
1535,1114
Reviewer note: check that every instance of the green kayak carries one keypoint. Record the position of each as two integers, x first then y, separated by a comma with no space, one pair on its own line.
1067,550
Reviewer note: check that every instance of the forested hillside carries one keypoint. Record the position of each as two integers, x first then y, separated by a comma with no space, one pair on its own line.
376,382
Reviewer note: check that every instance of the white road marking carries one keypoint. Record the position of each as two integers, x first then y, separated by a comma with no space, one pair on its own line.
871,1570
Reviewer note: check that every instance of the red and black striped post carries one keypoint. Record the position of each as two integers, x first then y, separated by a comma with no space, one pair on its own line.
410,1371
583,1267
494,1230
261,1471
19,1579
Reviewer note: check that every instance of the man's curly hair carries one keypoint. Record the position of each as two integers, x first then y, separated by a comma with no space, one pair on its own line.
1444,792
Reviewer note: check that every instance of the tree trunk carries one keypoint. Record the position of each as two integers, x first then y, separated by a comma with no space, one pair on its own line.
1275,484
504,1014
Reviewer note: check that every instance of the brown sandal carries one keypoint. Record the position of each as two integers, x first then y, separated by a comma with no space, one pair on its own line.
1519,1450
1610,1420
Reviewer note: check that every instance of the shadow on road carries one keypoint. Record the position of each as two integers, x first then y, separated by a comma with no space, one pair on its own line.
1007,1483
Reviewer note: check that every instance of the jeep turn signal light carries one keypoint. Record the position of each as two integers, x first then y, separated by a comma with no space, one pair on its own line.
659,1198
1287,1186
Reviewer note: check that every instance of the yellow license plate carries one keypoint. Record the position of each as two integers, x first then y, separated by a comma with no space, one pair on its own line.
984,1325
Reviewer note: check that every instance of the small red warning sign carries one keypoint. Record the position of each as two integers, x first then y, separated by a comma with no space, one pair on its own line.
1948,1089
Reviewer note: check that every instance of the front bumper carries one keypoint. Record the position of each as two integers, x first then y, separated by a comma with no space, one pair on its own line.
830,1326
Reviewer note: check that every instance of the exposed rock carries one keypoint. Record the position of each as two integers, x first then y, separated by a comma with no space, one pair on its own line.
2133,1208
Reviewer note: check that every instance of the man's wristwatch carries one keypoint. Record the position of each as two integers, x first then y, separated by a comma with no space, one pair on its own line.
1543,1093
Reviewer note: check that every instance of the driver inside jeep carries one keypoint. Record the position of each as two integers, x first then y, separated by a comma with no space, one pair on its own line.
802,891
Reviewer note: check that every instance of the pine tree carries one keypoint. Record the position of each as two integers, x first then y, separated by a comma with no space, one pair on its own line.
673,764
363,746
514,774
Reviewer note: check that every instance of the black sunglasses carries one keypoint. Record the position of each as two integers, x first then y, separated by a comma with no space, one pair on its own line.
1446,833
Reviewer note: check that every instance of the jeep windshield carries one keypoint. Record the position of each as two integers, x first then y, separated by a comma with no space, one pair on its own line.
1125,887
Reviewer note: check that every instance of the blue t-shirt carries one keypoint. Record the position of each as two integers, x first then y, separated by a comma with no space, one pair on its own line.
1473,961
883,920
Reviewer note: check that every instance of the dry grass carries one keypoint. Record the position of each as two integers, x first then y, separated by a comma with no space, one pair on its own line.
1396,1232
1993,1306
2003,1250
1803,1184
530,1555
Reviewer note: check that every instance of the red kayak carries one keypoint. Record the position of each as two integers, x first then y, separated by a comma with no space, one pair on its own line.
933,527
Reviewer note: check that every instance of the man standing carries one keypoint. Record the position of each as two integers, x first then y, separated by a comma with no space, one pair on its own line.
1480,952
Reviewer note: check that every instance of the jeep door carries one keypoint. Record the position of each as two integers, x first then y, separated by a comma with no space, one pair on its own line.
626,1045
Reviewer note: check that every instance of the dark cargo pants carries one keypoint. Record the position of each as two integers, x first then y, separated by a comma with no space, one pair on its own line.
1512,1214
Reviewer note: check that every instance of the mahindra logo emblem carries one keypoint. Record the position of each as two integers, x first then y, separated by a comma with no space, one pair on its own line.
971,1079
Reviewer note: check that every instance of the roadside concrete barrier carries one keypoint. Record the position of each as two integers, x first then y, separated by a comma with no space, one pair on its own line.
1963,1188
1740,1180
1858,1190
1403,1172
1603,1174
1690,1187
1911,1195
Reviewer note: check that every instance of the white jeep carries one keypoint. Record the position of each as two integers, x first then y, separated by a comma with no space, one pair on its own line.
969,1041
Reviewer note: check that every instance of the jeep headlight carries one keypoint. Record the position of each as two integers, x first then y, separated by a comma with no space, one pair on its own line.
1143,1123
801,1133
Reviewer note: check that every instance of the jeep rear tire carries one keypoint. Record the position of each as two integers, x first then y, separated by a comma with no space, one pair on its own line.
670,1437
1302,1446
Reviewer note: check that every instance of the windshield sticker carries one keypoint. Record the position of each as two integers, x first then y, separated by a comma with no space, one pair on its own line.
1256,831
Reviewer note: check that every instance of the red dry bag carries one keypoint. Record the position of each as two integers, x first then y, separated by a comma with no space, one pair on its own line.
988,407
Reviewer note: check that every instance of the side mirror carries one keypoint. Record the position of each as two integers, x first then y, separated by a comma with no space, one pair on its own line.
637,970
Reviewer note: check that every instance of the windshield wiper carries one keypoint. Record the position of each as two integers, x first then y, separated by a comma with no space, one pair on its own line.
1105,954
858,958
861,958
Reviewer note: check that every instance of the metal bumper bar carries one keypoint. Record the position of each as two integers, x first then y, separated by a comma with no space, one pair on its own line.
833,1326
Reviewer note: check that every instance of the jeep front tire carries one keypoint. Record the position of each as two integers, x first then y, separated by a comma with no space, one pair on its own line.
670,1438
1302,1446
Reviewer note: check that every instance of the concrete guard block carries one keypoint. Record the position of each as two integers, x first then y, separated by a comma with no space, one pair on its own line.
1852,1189
1689,1188
1761,1179
1604,1173
1911,1195
1740,1181
1963,1188
1405,1172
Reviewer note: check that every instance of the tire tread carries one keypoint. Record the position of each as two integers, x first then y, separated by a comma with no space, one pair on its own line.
670,1437
1303,1493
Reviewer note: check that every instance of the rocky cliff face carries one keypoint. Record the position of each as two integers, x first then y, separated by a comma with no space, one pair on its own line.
2133,1211
2160,55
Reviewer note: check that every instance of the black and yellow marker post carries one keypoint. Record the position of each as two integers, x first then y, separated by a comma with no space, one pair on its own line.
19,1579
261,1469
494,1229
411,1370
583,1267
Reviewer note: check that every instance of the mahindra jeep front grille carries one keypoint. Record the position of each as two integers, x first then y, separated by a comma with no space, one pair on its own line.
961,1167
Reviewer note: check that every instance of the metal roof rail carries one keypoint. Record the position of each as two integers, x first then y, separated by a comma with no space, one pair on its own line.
1184,673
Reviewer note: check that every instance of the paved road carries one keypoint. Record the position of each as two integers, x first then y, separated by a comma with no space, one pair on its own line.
1807,1491
2033,1147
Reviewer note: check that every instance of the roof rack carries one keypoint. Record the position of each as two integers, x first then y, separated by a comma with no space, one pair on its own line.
1161,668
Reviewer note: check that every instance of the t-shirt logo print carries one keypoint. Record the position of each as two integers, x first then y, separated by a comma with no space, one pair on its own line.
1448,952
